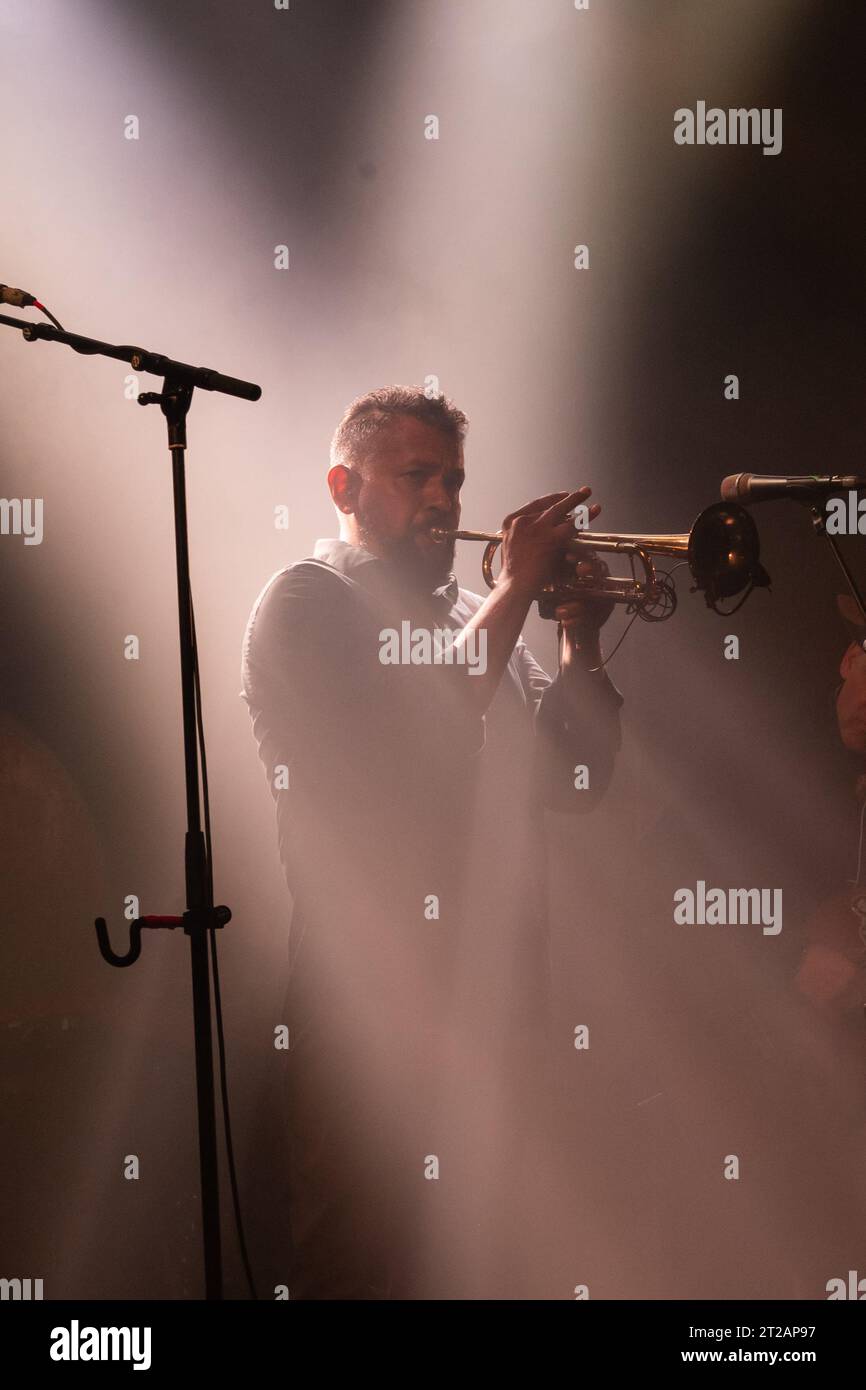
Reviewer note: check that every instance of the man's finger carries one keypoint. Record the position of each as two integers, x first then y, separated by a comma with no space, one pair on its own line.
559,510
565,530
538,504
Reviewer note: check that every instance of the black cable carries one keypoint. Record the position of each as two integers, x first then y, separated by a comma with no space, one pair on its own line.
729,612
722,612
637,614
221,1049
48,314
592,669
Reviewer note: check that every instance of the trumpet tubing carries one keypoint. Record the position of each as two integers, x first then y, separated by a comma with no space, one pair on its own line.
721,549
654,545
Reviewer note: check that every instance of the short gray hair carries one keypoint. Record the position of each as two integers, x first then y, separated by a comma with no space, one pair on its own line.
362,421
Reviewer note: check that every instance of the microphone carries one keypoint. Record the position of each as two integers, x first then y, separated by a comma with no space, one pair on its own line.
756,487
19,299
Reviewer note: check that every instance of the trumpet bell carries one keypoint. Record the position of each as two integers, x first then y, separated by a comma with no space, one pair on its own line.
724,553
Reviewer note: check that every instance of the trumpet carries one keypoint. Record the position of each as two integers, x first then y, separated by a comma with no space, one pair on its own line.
722,551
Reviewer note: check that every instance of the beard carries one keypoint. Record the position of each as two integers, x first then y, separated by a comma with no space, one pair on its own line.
421,567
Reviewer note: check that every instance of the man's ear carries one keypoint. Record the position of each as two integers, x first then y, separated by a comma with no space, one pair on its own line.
343,484
848,659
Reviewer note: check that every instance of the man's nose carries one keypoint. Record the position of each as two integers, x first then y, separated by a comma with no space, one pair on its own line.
437,496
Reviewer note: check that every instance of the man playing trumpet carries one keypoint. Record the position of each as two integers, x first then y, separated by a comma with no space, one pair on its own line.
410,802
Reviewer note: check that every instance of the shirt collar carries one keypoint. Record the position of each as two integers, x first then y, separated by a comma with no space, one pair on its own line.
351,560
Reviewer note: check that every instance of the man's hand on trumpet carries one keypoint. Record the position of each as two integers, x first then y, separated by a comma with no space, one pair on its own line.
536,539
535,543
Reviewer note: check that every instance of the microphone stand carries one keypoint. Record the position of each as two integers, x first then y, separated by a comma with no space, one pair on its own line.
819,524
201,918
